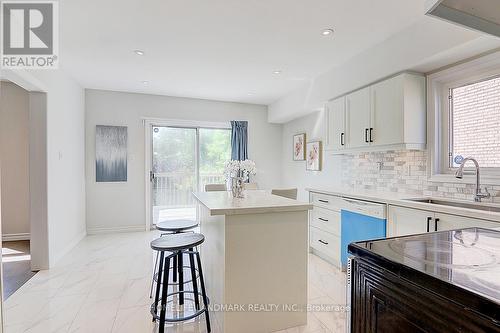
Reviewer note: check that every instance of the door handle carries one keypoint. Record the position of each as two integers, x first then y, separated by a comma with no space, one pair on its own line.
324,201
323,242
371,132
428,222
436,224
151,176
366,135
342,138
322,219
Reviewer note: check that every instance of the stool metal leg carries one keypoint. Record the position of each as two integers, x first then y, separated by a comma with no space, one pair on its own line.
164,293
158,281
181,278
174,278
203,291
154,272
193,279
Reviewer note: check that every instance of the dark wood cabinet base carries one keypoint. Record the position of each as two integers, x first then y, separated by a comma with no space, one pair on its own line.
383,302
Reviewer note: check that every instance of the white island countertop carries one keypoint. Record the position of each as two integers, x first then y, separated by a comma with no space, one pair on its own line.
254,201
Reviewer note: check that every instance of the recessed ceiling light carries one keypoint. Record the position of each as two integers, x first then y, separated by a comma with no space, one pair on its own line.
139,52
145,82
277,72
327,32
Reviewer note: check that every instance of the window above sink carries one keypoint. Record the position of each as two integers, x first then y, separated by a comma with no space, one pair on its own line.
464,120
474,123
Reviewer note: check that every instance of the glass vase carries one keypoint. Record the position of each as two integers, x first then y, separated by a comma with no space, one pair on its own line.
237,187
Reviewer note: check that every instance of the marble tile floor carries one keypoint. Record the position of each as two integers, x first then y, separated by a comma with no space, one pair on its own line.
102,286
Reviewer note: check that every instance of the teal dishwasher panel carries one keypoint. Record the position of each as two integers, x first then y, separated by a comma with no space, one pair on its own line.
358,227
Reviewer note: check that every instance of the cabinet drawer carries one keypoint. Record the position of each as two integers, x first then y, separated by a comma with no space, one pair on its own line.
325,243
326,220
326,201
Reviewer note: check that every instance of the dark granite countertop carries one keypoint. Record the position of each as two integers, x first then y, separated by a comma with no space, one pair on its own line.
461,265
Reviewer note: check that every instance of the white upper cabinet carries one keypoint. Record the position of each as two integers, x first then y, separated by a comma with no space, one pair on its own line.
335,120
387,115
358,118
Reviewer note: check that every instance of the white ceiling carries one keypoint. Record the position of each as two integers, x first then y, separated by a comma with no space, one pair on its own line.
220,49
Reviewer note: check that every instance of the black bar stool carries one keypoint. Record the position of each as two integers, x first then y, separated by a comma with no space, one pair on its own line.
179,244
166,228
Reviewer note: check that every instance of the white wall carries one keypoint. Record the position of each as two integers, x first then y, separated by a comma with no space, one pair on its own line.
39,217
65,114
294,172
14,153
57,120
120,206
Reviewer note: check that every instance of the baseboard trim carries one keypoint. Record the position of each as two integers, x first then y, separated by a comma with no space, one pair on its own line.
110,230
16,237
68,248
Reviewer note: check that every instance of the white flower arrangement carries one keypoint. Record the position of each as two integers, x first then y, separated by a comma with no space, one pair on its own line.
231,169
244,169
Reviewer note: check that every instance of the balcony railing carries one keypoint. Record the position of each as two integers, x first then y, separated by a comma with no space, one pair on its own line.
174,189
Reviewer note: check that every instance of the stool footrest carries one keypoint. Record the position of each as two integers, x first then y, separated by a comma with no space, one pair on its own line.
154,310
155,277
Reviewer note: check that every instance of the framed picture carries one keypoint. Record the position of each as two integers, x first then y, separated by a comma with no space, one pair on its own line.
314,156
299,149
111,153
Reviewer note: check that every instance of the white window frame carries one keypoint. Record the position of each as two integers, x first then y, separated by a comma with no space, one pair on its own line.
438,131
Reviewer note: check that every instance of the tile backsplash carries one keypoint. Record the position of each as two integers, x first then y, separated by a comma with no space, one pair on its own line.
401,172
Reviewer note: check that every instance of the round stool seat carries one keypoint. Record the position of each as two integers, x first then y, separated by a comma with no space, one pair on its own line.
175,242
176,225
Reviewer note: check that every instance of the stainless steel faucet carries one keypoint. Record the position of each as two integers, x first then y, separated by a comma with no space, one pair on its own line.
460,174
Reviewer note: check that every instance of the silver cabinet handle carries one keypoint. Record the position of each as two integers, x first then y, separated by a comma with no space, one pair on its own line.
360,203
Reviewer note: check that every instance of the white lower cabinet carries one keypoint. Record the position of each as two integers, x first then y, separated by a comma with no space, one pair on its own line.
324,227
326,220
450,222
326,244
404,221
325,224
407,221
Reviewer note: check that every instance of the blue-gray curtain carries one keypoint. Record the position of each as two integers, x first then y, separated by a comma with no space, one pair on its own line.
239,140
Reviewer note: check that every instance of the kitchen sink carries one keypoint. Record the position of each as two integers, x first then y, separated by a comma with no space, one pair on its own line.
478,206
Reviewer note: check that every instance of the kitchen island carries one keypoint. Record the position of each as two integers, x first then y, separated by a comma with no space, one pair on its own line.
254,260
446,281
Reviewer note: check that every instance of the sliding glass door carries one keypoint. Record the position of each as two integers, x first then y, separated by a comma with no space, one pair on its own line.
214,151
184,160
